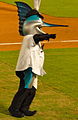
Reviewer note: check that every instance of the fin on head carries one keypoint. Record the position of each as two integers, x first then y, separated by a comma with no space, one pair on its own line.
23,10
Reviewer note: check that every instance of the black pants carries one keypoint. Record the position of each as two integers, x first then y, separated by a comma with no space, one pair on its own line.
24,96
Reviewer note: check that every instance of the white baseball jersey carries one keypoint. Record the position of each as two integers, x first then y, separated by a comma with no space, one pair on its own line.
31,55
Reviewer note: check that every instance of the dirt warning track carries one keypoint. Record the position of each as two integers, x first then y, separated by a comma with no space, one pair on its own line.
66,37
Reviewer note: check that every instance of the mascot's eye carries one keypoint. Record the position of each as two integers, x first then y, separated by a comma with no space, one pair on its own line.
29,23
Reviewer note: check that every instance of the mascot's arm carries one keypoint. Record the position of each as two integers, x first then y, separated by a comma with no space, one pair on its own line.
42,37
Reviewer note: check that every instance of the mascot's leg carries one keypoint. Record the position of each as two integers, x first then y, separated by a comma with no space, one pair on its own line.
27,102
16,103
22,94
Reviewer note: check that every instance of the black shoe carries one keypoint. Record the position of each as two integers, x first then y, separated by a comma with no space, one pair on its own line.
29,113
16,113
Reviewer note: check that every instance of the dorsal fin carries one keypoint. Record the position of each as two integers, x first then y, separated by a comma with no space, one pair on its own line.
23,10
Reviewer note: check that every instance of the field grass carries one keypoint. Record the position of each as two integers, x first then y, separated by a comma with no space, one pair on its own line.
59,8
57,94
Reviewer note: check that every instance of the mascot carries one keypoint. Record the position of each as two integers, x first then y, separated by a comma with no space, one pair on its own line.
31,58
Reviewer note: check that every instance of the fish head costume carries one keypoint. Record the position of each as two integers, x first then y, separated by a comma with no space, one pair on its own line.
31,21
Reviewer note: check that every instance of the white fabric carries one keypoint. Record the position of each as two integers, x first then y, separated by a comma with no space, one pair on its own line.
37,4
31,55
34,82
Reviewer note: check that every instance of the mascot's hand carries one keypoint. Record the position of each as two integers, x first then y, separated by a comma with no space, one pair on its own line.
53,36
41,37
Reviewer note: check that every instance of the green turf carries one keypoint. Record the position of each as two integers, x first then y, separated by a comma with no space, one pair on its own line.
57,95
62,8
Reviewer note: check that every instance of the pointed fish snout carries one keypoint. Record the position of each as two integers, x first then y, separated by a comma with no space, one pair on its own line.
52,25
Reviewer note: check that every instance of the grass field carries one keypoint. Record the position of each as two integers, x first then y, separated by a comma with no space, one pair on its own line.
57,95
61,8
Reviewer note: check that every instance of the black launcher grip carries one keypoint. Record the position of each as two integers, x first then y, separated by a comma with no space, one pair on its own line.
53,36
